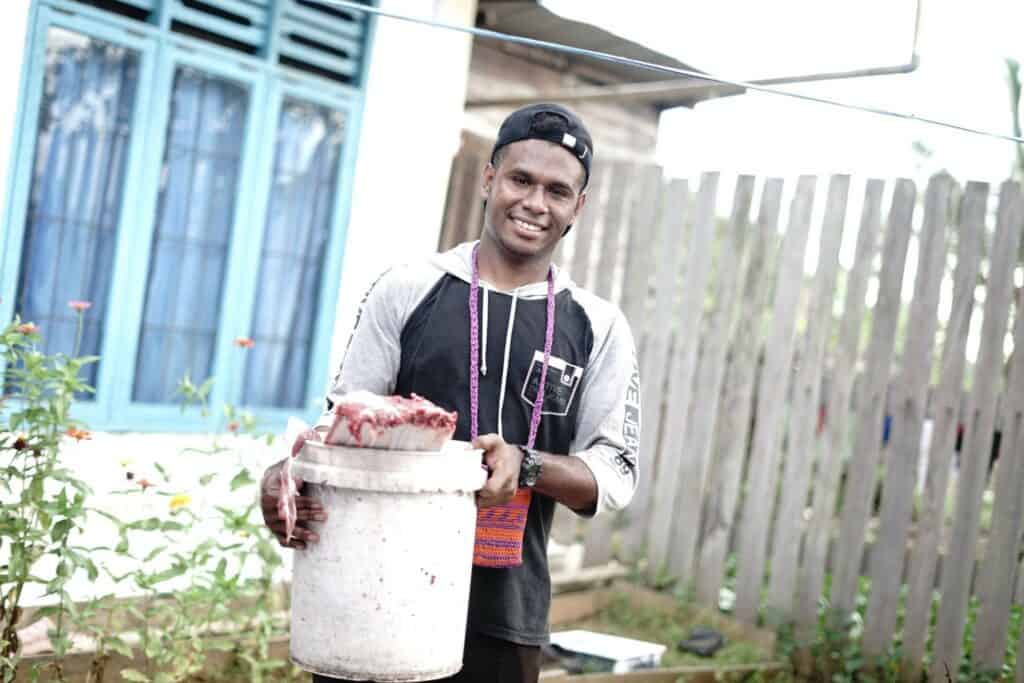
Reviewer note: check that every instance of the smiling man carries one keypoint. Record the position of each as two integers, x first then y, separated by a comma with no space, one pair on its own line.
542,374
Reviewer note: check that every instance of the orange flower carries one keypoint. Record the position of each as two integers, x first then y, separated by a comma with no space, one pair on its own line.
232,426
79,306
27,328
244,342
144,483
78,434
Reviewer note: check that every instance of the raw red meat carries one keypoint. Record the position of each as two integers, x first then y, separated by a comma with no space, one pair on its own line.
393,422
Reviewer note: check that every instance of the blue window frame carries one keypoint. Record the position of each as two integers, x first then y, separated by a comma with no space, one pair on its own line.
189,174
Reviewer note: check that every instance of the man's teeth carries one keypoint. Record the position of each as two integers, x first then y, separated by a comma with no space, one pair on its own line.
527,226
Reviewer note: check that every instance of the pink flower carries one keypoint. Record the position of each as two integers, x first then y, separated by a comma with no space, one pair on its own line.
244,342
27,328
79,306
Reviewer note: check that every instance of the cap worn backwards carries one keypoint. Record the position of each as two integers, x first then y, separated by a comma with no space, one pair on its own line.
551,122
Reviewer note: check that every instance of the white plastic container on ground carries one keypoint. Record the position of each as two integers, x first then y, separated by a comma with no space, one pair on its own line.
605,652
384,594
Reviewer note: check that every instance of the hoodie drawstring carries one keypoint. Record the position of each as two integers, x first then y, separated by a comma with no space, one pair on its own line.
483,351
504,365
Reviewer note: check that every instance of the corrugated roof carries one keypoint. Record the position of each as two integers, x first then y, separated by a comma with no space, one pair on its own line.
528,18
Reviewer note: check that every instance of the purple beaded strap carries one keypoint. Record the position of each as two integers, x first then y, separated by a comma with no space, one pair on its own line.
474,353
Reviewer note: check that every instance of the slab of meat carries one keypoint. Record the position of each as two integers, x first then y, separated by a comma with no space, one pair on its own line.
395,423
363,419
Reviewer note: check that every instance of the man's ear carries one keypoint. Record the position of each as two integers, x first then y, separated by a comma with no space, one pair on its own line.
487,181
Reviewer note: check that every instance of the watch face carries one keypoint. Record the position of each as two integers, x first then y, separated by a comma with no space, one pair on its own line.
529,470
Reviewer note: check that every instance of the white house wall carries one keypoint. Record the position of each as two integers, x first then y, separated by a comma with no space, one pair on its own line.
411,125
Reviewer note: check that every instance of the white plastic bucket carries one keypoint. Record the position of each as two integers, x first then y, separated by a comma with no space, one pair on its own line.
383,595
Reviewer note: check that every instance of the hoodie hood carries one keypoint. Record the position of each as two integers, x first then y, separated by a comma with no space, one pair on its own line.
458,262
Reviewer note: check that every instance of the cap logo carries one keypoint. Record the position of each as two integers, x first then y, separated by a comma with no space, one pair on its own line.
569,140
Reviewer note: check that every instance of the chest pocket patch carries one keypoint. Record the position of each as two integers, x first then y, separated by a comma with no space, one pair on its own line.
559,388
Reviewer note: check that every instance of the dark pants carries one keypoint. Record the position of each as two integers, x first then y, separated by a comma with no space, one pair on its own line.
489,660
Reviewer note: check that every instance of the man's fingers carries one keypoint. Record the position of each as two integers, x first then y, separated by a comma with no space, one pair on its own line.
305,535
306,508
498,490
486,499
311,515
301,536
487,441
305,502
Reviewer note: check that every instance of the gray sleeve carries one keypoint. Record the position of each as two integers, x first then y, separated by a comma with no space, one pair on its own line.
373,354
608,432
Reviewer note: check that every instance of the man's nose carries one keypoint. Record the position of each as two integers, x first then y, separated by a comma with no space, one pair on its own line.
534,199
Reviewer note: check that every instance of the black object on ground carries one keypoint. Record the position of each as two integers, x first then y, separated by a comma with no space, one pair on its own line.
702,641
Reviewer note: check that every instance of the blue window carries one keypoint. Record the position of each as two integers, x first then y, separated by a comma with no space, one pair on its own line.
199,180
309,143
185,167
77,181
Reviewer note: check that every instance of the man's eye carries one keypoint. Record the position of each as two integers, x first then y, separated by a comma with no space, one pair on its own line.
519,180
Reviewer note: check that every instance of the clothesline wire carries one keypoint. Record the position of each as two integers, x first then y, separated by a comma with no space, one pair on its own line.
652,66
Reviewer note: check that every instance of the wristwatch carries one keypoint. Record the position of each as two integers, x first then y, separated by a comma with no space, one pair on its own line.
529,470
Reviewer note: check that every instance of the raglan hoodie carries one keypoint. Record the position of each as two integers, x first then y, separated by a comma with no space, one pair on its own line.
412,336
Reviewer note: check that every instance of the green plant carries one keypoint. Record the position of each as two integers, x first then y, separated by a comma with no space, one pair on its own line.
42,502
835,653
205,573
205,576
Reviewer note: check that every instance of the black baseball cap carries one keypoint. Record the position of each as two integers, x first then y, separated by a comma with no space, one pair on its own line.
551,122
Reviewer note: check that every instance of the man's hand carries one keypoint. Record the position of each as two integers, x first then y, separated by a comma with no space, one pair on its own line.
502,461
307,510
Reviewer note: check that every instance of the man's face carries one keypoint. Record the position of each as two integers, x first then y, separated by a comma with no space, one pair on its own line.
532,195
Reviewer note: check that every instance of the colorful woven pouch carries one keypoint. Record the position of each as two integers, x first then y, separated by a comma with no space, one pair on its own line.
499,532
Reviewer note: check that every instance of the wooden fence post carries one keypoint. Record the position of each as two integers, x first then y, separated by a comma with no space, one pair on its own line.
945,416
643,218
697,438
736,404
765,452
803,420
956,582
654,362
834,445
698,265
1020,643
586,237
995,584
615,221
860,483
910,392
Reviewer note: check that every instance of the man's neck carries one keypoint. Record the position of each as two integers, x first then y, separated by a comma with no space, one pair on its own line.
505,273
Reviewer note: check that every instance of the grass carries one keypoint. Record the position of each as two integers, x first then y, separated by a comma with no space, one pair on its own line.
622,618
